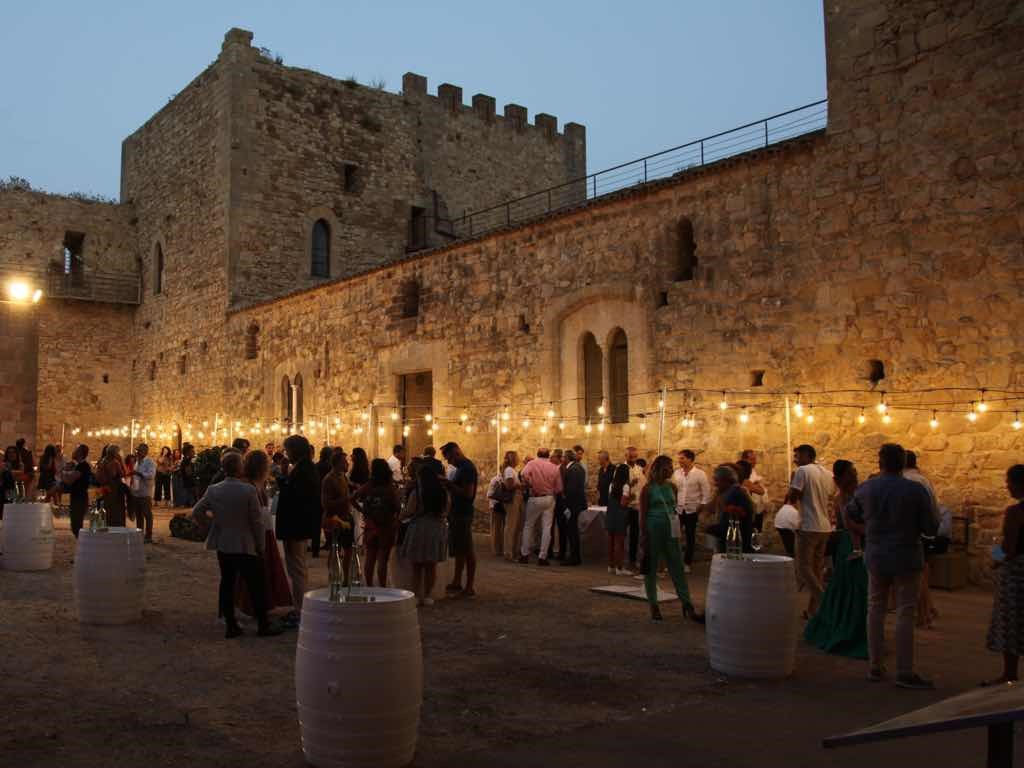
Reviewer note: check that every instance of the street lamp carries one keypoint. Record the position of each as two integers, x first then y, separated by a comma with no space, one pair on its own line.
22,292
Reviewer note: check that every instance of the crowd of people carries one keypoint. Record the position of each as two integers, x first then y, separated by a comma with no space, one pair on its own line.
860,548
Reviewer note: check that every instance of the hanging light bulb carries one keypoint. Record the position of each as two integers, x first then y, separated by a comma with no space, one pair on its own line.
724,403
972,415
504,429
561,426
380,430
600,426
643,423
982,405
551,413
744,416
200,434
505,415
544,429
494,422
810,414
587,428
394,415
337,421
405,431
1016,421
205,424
430,432
798,407
934,422
600,409
365,416
861,418
661,403
463,416
526,423
882,407
886,419
427,417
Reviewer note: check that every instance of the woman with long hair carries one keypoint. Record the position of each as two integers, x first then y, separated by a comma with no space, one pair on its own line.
164,467
48,470
337,509
110,474
256,471
425,542
359,474
615,521
380,506
661,537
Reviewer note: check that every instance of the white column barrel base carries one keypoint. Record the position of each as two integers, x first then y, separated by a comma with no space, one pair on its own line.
359,679
27,538
751,615
109,576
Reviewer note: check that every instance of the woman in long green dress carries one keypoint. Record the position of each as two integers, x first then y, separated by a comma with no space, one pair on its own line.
661,538
840,624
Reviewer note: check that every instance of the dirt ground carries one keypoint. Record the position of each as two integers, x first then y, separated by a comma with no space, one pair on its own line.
536,669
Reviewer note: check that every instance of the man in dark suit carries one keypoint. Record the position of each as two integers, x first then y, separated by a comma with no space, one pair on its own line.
575,495
298,517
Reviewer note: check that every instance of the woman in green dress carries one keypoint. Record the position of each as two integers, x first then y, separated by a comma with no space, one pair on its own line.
840,625
661,535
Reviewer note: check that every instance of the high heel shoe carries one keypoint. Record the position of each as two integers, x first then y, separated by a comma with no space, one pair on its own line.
689,612
655,613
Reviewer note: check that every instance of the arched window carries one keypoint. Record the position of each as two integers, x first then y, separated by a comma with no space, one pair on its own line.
687,266
618,376
320,252
286,400
298,398
593,377
158,270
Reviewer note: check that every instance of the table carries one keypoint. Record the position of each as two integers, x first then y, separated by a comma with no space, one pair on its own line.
996,708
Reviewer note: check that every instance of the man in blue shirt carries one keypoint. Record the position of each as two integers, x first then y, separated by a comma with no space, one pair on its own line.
893,513
462,487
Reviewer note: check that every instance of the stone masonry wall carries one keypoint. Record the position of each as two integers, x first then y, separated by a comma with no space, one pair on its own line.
297,134
18,374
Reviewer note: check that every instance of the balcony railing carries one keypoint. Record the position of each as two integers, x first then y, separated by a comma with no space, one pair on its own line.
80,284
661,165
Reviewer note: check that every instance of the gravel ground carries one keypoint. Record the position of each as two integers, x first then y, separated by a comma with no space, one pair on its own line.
534,663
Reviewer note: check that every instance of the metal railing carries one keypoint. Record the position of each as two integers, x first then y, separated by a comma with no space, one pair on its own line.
656,167
80,285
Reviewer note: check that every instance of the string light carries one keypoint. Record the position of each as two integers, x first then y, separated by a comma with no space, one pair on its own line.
526,423
405,431
643,423
504,429
427,417
744,416
886,419
600,426
505,415
982,405
861,418
551,413
810,414
561,426
798,408
661,403
494,422
430,432
882,407
469,428
1016,420
394,416
972,416
544,429
724,403
600,409
934,422
463,416
587,428
380,430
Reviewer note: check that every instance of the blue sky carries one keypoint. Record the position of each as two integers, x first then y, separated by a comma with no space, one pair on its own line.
642,76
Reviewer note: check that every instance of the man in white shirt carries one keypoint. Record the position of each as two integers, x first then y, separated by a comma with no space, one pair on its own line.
809,490
143,483
397,462
756,487
692,492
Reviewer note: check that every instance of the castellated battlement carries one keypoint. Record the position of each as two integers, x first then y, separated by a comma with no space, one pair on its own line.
514,117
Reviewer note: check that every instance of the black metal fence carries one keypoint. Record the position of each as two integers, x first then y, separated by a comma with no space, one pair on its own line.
661,165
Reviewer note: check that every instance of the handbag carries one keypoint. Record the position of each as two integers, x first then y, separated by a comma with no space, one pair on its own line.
675,529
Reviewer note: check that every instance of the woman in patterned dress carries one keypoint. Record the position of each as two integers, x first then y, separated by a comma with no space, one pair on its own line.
1006,632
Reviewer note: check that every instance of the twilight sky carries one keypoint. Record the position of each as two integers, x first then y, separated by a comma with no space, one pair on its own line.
77,77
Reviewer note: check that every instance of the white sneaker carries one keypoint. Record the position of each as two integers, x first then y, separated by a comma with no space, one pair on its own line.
686,569
624,572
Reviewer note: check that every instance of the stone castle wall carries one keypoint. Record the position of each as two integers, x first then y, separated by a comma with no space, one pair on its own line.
306,146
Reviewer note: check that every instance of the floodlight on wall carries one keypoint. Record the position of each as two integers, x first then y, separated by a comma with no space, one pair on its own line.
22,292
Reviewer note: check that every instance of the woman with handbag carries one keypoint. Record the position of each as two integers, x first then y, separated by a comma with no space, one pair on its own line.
660,529
425,543
500,497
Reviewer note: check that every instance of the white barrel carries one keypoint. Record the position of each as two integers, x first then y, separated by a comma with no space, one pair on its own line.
27,537
110,573
359,679
752,622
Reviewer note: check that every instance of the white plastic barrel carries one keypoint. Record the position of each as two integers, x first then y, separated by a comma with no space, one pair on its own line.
359,679
27,537
110,572
752,622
